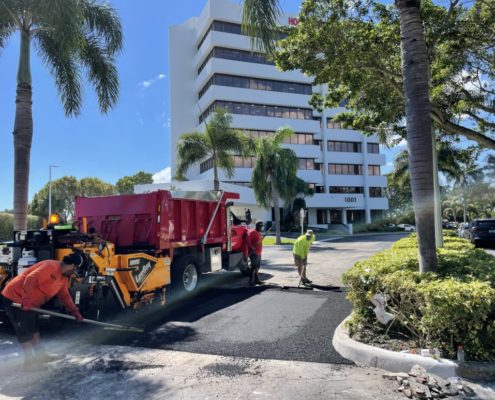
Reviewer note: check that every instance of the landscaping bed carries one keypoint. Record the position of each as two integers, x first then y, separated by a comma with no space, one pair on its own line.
451,309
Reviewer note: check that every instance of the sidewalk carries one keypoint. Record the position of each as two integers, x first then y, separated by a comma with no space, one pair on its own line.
112,371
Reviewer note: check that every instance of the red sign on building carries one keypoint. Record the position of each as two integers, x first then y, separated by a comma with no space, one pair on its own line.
293,21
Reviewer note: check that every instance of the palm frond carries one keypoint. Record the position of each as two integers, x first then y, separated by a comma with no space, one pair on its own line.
102,19
259,21
101,71
62,65
260,181
191,148
8,20
63,17
281,134
225,161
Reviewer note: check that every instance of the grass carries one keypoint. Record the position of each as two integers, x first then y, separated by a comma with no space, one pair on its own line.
270,241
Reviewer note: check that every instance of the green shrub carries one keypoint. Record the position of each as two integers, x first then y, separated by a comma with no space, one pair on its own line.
453,306
7,225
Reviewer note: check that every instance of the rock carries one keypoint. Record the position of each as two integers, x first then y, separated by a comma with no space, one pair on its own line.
408,393
417,370
401,388
395,375
420,390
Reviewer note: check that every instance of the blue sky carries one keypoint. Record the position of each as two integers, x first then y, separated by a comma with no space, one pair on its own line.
133,136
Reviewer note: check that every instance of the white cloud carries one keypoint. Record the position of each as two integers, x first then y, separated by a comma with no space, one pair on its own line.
163,176
147,83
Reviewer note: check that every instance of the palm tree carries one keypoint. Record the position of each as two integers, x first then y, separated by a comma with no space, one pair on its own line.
415,72
274,174
470,173
220,142
70,36
260,17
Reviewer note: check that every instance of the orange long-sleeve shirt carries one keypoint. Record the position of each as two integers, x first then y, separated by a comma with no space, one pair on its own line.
40,283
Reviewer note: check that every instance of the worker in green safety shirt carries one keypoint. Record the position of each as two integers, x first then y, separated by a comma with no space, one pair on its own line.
300,251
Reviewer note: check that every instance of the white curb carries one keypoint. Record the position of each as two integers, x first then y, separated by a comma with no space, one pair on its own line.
363,354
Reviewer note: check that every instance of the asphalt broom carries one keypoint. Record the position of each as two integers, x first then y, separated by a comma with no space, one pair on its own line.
105,325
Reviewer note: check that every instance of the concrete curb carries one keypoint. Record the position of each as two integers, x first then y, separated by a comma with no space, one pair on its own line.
363,354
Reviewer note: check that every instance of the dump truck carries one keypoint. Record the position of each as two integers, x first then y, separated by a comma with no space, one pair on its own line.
139,249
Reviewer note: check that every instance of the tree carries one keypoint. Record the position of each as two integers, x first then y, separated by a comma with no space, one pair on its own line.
90,187
219,143
354,48
126,184
274,174
469,173
64,192
71,36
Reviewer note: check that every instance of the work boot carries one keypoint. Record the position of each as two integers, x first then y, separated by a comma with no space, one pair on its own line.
251,282
257,280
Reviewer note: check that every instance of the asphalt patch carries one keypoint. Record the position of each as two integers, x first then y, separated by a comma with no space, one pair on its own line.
113,366
230,370
263,323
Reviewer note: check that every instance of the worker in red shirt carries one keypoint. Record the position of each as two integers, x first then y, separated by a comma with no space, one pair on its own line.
255,248
33,288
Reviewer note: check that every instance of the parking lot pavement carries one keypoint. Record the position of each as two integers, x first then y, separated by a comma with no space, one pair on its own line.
327,261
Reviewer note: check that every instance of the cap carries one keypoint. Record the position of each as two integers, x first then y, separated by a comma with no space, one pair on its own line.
259,222
309,232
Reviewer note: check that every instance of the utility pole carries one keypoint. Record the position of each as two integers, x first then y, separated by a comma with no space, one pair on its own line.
50,189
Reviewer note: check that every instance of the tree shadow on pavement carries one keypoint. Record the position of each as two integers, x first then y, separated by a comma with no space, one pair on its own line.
72,380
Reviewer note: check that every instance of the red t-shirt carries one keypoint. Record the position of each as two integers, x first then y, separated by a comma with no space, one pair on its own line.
39,284
255,242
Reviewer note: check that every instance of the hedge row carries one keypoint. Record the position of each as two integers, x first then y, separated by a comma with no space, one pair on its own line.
455,306
7,225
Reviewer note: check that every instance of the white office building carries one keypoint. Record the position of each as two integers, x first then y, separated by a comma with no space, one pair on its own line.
212,65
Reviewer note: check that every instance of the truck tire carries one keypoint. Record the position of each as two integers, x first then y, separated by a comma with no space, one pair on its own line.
185,276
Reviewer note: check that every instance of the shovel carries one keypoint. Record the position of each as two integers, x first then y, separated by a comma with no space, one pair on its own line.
105,325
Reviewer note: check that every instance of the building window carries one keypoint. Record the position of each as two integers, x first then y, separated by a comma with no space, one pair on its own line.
345,147
244,162
321,216
376,192
346,189
238,183
307,163
206,165
374,170
259,110
334,125
319,189
228,27
373,148
345,169
257,84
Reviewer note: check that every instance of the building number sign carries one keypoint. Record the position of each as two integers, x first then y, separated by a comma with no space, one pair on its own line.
350,199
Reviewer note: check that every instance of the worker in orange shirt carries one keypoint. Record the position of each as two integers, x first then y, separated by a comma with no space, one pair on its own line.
32,288
255,248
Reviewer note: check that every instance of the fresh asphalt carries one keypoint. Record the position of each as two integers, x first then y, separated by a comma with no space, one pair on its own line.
266,322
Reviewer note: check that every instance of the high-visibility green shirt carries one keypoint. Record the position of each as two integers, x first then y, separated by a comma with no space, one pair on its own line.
301,246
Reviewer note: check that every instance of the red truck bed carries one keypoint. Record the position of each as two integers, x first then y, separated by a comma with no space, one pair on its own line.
161,220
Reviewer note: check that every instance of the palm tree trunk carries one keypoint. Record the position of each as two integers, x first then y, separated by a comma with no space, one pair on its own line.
464,204
276,210
415,72
216,182
23,134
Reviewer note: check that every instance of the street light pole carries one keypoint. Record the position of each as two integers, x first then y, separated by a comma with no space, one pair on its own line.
50,189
